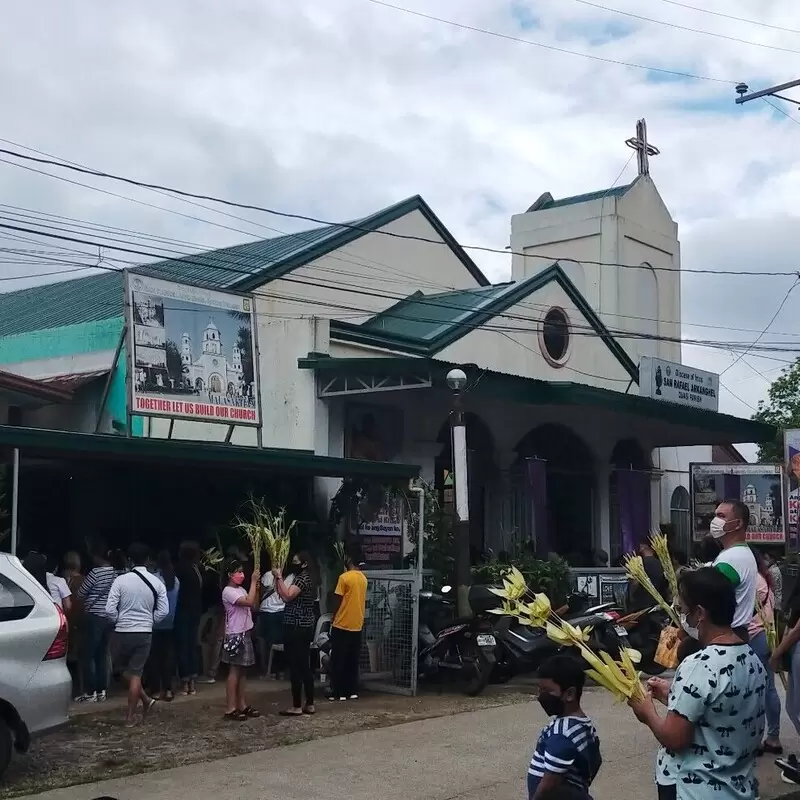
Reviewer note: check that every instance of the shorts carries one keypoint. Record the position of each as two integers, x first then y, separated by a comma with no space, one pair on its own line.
129,652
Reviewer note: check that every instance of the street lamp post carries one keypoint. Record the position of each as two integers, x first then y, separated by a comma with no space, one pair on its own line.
457,381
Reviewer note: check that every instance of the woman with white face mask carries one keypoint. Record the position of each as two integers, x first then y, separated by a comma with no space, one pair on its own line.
714,718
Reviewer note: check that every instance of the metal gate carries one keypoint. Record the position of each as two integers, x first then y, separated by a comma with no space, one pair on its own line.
391,625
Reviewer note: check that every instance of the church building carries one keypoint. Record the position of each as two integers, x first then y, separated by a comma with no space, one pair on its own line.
358,324
211,371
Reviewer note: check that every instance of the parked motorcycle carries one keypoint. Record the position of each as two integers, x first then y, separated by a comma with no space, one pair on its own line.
521,649
644,631
462,649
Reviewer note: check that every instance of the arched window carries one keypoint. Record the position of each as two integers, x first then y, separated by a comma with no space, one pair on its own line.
679,517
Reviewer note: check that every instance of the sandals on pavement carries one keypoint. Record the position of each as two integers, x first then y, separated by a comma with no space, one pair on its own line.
235,716
251,713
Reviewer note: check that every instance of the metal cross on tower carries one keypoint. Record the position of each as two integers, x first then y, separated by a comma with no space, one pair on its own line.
643,147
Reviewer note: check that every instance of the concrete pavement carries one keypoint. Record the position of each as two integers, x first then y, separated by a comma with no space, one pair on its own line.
462,757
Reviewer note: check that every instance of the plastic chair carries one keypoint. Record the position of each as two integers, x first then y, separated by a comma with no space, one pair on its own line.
324,624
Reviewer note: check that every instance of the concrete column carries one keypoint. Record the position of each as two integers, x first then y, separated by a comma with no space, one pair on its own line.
602,532
655,498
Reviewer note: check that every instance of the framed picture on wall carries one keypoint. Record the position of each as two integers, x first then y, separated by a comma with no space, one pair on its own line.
372,432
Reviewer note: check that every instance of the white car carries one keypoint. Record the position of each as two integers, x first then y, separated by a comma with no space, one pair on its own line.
35,684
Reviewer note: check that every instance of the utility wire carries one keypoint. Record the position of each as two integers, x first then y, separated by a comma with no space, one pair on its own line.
479,321
769,325
532,43
685,28
730,16
88,225
380,232
338,257
778,108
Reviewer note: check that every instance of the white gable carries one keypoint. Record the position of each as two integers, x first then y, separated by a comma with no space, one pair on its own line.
370,274
511,343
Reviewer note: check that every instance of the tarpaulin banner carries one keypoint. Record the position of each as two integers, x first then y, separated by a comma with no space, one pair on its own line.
758,486
191,352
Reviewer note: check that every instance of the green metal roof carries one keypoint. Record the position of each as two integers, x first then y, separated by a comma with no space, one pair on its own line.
614,191
424,317
668,424
64,444
243,268
55,305
426,324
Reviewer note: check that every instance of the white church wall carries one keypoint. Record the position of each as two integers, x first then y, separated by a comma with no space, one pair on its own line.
511,343
292,416
635,229
369,275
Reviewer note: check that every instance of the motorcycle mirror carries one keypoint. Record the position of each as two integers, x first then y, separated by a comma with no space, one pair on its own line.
446,589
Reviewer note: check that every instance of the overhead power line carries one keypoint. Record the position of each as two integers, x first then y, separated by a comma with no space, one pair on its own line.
757,22
432,301
25,215
380,232
532,43
685,28
768,326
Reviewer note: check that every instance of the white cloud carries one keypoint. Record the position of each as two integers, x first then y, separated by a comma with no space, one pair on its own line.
335,108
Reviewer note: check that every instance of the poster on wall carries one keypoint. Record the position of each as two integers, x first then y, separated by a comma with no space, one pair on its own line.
375,433
381,537
192,352
758,486
791,454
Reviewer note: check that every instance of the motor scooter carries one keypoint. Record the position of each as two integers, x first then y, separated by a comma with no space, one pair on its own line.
448,647
521,649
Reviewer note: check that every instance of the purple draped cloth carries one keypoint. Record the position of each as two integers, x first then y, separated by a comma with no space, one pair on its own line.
536,483
633,492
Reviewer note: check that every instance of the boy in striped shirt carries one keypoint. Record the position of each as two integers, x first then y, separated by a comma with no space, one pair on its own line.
568,750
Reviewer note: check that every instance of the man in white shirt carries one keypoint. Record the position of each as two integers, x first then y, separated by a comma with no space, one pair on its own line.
59,591
736,561
136,601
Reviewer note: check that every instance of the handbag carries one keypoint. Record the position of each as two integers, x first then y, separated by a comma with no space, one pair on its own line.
667,650
232,643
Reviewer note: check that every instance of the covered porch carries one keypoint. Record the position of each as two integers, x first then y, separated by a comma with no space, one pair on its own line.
65,489
557,467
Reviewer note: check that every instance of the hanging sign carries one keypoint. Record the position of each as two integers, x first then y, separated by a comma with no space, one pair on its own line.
191,352
676,383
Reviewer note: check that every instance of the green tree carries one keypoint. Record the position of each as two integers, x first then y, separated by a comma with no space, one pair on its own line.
782,409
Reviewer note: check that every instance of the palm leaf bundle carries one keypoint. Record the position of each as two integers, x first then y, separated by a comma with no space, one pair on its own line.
211,558
771,631
619,677
267,531
634,569
658,542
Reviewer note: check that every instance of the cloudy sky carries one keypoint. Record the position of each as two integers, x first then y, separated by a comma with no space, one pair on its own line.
335,108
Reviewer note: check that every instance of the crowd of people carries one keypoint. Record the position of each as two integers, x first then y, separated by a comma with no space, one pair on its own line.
160,624
721,710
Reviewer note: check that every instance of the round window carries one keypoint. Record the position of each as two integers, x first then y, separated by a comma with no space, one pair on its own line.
555,335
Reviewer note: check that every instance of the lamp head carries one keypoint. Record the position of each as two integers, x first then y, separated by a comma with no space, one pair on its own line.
457,379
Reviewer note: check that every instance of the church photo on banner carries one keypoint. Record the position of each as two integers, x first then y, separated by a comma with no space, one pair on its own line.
759,486
192,352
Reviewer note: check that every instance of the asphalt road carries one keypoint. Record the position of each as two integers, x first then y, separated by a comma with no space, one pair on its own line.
463,757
